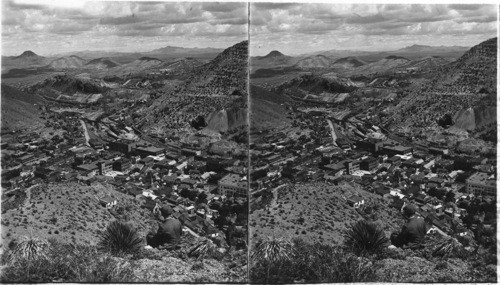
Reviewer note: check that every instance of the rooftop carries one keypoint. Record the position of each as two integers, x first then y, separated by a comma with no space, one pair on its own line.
233,179
482,178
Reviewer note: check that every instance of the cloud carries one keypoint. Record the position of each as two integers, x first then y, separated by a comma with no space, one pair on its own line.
271,6
357,19
367,26
465,6
222,7
120,20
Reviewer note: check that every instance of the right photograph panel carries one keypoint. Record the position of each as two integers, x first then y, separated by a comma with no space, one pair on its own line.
373,136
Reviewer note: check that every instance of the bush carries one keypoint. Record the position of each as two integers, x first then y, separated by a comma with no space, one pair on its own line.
120,238
450,248
365,238
29,248
205,248
64,263
312,263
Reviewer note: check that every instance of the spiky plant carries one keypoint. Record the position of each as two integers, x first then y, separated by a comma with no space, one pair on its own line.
30,248
272,249
365,238
120,238
450,248
204,248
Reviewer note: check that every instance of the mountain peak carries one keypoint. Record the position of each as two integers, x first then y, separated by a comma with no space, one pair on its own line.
27,53
274,53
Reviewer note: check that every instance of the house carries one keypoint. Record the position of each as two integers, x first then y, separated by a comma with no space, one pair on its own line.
123,146
481,183
355,201
107,201
122,165
233,185
87,169
368,164
150,150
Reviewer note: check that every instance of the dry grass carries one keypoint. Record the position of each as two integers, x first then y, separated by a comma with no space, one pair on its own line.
69,212
315,212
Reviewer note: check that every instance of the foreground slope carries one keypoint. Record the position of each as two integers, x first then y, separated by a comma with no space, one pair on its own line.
19,109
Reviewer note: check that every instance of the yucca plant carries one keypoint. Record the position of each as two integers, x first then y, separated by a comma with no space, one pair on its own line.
30,248
204,248
272,251
450,248
365,238
120,238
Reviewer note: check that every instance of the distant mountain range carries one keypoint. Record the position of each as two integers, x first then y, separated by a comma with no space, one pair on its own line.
411,52
424,48
170,51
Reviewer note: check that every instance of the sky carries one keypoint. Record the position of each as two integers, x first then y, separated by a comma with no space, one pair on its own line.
48,27
298,28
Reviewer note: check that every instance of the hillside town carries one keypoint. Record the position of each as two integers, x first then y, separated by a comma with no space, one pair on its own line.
207,191
454,192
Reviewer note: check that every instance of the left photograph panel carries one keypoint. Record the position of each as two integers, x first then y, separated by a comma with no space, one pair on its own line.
124,141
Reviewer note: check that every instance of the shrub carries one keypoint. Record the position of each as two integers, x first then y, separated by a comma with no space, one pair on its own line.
312,263
365,238
120,238
450,248
30,248
204,248
66,263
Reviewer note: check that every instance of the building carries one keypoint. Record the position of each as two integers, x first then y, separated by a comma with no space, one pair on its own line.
481,183
371,145
352,166
88,168
232,185
122,165
368,164
123,146
105,166
107,201
150,150
343,143
355,201
393,149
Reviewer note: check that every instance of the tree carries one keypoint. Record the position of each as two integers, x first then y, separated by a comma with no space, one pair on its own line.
449,197
202,197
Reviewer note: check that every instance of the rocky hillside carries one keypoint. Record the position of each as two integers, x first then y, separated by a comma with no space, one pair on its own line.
101,63
70,85
224,120
70,62
184,65
426,63
224,74
316,85
348,63
381,66
473,118
70,211
139,65
474,72
464,89
314,62
271,60
19,109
